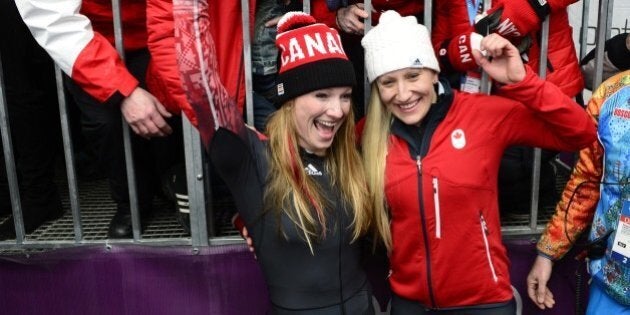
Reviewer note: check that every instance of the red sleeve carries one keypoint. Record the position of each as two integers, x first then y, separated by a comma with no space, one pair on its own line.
450,19
100,72
556,5
549,119
165,84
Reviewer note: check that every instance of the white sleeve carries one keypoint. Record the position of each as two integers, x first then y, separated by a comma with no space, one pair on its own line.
58,27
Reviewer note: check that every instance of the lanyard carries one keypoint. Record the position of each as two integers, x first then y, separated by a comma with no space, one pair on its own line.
473,7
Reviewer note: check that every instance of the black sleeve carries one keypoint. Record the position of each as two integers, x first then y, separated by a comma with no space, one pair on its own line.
238,163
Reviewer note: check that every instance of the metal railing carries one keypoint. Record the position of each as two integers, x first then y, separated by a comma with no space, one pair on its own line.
202,228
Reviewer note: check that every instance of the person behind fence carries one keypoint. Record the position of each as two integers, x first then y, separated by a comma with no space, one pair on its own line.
105,89
349,17
597,195
265,55
520,21
616,59
432,155
300,190
31,104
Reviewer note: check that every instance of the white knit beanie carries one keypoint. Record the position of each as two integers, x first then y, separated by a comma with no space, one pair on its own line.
397,43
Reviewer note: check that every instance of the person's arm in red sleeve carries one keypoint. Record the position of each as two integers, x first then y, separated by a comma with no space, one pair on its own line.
92,62
517,18
451,37
548,119
84,55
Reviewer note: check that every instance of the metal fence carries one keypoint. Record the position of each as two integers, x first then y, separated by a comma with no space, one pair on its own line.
88,209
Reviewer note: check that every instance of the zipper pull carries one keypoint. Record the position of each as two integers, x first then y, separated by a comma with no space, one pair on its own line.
419,164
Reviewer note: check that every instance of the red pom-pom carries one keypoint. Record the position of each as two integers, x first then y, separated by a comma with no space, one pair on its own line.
293,20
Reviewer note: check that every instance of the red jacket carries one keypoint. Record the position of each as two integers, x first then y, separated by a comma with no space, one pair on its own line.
442,190
451,19
166,85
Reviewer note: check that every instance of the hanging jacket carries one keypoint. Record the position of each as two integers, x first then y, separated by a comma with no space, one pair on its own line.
167,85
225,37
441,188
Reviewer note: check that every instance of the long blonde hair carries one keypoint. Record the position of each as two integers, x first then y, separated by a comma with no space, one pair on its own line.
292,192
375,141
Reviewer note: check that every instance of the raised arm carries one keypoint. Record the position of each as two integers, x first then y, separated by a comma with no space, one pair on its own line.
552,120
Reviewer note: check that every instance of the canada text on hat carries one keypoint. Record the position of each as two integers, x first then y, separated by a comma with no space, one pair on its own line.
310,42
311,57
397,43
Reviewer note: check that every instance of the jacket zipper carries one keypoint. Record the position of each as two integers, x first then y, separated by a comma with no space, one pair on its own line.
424,231
484,233
436,202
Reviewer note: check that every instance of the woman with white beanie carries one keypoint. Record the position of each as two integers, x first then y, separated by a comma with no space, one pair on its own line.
432,156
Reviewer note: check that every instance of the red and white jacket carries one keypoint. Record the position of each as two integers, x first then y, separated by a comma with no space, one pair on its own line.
451,19
441,188
79,37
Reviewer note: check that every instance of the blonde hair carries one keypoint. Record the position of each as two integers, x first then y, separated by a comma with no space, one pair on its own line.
292,192
375,141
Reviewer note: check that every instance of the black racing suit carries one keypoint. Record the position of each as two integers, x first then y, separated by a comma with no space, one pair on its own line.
330,281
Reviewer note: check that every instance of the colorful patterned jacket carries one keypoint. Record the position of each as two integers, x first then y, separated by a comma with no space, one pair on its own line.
601,186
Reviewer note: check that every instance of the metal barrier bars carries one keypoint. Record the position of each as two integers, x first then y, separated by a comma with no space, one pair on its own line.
247,60
194,182
202,226
542,73
485,80
131,174
584,28
69,158
7,147
367,88
306,6
603,31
